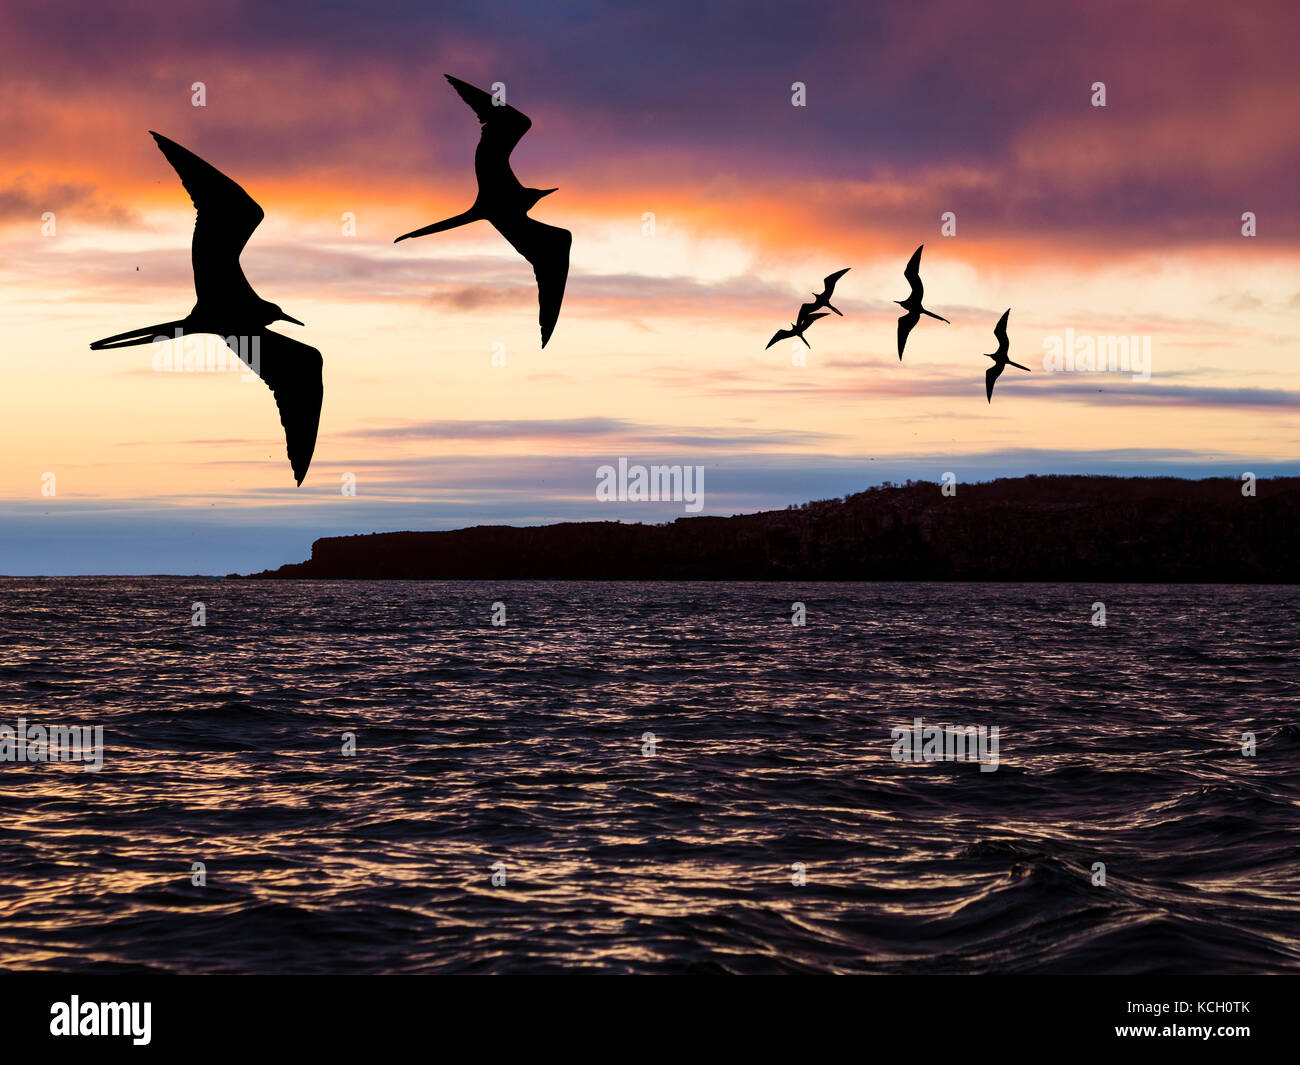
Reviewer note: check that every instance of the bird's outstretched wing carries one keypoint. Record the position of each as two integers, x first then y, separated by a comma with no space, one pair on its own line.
828,285
503,125
1000,331
779,335
547,248
912,271
226,218
292,370
905,325
991,375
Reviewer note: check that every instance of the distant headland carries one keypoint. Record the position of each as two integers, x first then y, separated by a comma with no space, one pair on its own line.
1052,528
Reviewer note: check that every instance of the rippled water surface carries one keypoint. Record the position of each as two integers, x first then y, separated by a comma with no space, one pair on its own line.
523,745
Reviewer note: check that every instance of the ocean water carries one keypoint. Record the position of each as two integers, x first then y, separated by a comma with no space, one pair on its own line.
519,751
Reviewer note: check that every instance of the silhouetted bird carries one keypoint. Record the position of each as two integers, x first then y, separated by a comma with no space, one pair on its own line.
823,299
999,357
505,203
227,305
796,330
913,302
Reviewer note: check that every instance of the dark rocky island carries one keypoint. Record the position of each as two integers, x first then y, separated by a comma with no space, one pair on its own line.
1056,528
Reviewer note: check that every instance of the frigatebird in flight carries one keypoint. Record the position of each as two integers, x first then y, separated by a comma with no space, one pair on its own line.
913,302
227,305
796,330
823,299
1000,360
504,202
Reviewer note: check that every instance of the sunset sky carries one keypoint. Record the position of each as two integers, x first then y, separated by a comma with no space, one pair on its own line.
1116,220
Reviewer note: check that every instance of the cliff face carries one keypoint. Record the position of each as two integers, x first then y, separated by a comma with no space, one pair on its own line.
1029,528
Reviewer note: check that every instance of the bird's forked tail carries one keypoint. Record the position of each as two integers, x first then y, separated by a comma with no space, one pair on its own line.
166,330
445,224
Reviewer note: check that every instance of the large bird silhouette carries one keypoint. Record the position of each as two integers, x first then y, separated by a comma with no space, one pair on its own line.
1000,360
504,202
796,330
913,302
823,298
227,305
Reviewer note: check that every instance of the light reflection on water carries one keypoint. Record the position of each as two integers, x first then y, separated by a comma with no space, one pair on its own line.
523,745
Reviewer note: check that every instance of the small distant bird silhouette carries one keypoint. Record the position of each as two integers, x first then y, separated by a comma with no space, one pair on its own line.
796,330
999,357
227,305
823,298
913,302
504,202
